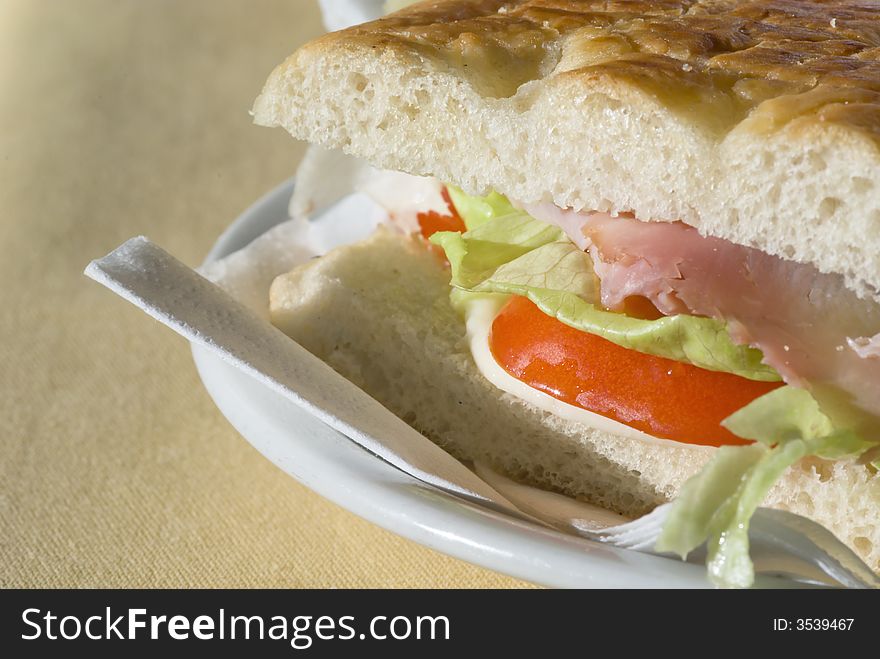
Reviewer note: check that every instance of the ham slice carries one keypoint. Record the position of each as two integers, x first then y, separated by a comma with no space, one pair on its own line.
811,328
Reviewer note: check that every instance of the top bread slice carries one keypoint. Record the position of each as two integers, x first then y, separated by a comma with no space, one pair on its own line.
758,122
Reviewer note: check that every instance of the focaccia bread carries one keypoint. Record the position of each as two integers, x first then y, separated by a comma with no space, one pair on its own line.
757,122
393,332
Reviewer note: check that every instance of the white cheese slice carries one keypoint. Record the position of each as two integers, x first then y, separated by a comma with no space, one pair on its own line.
479,315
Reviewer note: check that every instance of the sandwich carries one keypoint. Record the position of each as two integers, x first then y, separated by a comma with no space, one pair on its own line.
642,258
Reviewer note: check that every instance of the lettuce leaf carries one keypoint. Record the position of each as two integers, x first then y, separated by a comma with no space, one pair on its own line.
515,254
479,210
715,506
477,254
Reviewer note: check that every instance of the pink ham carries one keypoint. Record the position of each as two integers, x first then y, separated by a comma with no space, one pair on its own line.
810,327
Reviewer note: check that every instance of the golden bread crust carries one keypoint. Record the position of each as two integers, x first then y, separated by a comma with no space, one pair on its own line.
713,60
754,121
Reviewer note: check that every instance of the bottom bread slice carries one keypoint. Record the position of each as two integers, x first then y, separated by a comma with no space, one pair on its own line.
379,313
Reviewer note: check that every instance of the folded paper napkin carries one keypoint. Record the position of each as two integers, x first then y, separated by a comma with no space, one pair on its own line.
231,319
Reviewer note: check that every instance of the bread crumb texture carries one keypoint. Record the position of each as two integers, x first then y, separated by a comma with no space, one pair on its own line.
758,122
379,313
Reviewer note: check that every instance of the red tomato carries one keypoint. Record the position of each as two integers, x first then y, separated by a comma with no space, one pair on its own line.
659,396
432,221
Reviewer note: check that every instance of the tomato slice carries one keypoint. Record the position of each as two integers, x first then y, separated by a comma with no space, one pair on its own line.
431,222
659,396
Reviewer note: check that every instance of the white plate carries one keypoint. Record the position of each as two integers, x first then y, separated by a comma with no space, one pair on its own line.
338,469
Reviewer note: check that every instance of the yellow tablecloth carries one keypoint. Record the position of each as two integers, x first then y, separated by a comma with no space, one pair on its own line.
126,117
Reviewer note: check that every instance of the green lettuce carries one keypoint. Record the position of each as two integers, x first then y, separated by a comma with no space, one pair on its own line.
508,251
715,506
479,210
